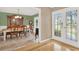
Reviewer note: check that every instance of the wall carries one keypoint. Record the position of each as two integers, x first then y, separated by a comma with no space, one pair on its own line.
3,18
27,18
46,23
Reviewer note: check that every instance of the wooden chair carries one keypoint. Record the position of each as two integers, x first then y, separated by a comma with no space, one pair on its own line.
14,32
22,31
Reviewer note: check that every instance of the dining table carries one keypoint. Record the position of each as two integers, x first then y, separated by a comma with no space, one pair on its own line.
5,31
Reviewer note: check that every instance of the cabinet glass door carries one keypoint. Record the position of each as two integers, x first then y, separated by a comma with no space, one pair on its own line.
71,25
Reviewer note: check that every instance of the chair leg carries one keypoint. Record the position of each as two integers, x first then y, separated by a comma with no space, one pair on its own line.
6,36
11,36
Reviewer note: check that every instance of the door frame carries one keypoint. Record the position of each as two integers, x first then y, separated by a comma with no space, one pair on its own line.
39,22
53,25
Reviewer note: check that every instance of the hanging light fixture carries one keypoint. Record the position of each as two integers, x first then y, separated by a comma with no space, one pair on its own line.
18,16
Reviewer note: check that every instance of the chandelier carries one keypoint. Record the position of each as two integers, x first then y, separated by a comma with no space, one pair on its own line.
18,16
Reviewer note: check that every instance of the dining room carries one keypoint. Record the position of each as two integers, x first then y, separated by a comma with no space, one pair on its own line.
16,26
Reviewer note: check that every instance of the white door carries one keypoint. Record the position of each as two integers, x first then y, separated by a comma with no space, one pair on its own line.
57,25
65,26
71,25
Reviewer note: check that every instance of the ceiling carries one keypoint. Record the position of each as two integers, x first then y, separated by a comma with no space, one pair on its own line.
25,10
22,10
57,8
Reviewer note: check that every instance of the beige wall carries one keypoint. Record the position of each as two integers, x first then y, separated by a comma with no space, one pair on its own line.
46,23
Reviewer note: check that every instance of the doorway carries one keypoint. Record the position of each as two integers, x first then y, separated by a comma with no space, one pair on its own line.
36,28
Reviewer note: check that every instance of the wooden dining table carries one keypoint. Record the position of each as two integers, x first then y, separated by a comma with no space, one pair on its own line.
4,33
7,31
11,30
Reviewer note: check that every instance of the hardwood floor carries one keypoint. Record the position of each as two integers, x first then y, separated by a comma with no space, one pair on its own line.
32,46
51,45
27,44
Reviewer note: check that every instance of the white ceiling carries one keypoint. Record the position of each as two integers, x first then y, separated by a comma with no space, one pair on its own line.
57,8
22,10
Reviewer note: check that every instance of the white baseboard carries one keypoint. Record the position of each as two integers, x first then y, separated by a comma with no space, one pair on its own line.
45,40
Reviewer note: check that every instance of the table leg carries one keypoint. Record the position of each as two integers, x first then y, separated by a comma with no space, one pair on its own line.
4,36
